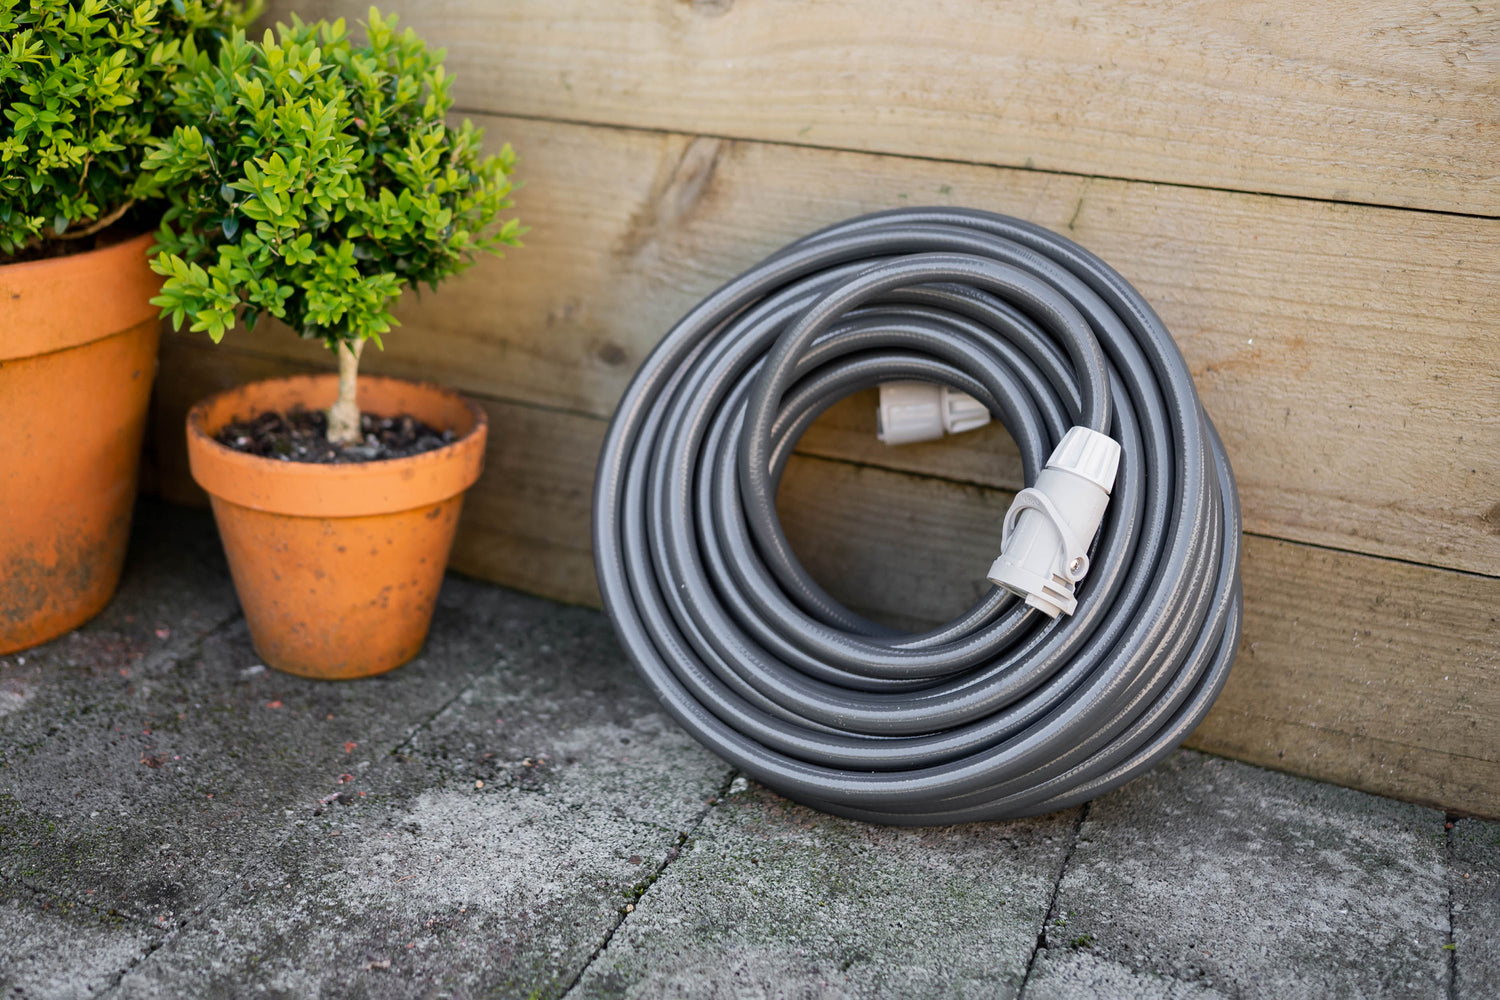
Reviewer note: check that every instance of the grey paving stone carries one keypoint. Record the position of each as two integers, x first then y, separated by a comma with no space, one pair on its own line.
417,882
1474,877
1255,884
770,899
52,947
141,772
483,821
1068,974
174,591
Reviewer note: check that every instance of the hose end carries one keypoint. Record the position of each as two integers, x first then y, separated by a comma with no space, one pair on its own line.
1049,526
912,411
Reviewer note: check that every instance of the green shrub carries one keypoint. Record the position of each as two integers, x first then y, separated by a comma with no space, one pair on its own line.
84,88
313,179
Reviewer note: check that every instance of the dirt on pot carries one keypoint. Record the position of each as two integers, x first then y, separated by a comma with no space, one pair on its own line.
300,436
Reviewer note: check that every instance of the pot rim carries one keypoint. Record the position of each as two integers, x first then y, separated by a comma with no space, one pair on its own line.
353,489
62,259
56,303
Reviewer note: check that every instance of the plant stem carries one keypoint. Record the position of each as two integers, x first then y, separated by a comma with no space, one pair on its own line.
343,415
77,234
103,222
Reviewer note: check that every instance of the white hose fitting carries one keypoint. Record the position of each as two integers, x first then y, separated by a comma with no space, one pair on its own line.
912,411
1049,526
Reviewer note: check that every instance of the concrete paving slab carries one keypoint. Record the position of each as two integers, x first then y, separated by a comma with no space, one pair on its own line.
174,591
491,855
1255,884
770,899
513,815
53,947
1070,974
1474,880
147,775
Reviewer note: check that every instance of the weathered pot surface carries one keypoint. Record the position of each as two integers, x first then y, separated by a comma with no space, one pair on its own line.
337,567
78,339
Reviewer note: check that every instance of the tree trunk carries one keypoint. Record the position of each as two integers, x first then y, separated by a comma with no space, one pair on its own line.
343,415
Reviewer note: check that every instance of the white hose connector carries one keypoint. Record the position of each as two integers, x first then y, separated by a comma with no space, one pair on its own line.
921,411
1049,526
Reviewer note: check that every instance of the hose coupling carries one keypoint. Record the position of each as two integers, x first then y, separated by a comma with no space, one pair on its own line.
1049,526
912,411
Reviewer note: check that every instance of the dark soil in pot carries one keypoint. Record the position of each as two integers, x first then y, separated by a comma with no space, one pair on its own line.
300,436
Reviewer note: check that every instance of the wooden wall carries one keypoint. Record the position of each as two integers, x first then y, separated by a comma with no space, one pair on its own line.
1306,193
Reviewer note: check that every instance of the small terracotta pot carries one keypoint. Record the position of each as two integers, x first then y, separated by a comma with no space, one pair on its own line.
337,566
77,355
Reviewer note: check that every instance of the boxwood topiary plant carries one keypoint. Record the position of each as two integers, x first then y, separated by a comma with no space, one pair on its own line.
84,86
311,179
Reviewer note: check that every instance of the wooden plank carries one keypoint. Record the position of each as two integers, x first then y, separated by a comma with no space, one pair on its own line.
1347,354
526,522
1391,104
906,550
1365,671
1457,783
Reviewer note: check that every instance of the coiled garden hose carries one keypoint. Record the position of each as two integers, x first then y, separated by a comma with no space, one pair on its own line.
1004,711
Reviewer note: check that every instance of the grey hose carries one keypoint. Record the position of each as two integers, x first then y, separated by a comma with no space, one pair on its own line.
1002,712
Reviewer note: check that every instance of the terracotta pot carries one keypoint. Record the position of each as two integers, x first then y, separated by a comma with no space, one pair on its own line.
77,355
337,566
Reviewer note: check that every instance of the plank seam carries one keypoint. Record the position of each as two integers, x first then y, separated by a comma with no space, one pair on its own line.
727,137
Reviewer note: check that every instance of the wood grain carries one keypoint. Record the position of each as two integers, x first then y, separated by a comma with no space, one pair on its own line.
1348,354
1365,671
1391,104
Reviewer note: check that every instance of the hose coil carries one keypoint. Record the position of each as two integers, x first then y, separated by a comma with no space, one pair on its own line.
1002,712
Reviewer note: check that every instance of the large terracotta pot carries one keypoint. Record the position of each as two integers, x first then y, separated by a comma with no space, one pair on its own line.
77,355
337,566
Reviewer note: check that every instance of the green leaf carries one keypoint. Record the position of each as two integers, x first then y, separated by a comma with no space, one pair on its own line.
345,182
88,90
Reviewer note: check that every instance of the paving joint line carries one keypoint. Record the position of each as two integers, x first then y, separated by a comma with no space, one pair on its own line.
166,934
291,828
1451,944
72,899
499,660
1062,871
415,728
119,977
169,656
226,885
226,890
644,886
95,909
